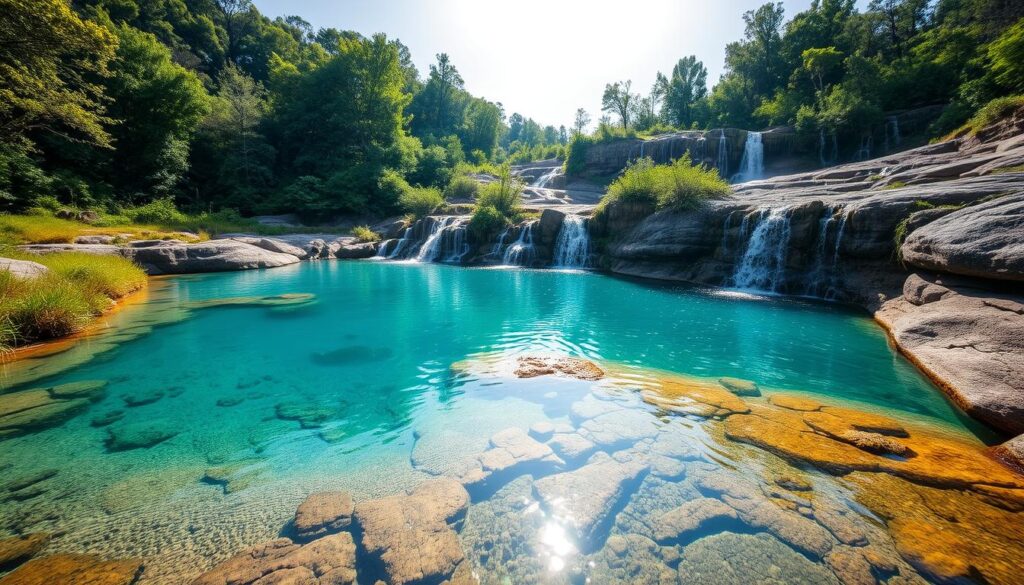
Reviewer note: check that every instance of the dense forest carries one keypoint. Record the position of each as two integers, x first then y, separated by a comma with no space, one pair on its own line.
218,107
832,68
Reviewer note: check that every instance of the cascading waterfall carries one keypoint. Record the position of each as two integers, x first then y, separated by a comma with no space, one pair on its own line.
572,248
892,133
752,164
521,252
763,266
446,242
498,251
864,152
833,155
403,244
723,156
432,245
822,279
546,178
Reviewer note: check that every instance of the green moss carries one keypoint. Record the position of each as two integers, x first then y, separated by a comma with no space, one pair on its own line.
1013,169
895,185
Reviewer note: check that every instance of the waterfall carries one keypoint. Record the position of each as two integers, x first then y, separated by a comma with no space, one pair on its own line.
521,252
431,247
446,242
403,244
498,251
723,156
547,177
833,155
572,248
892,133
864,152
823,278
763,266
752,164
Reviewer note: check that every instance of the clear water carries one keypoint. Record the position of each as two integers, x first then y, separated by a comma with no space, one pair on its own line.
374,354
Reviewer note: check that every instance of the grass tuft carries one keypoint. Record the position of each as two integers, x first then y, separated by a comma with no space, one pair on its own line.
364,234
679,185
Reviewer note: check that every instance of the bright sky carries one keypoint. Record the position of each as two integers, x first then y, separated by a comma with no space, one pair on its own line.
544,58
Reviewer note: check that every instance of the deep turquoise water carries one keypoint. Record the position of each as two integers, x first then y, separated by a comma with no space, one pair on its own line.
372,356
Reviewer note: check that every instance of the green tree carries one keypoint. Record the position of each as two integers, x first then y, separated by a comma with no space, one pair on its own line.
618,99
1007,57
580,122
686,87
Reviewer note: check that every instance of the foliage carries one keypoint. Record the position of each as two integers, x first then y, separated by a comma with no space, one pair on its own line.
364,234
461,188
1007,57
686,87
992,112
159,211
679,185
421,201
61,302
487,221
504,194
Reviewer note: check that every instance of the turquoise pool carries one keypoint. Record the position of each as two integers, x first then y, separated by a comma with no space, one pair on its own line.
261,405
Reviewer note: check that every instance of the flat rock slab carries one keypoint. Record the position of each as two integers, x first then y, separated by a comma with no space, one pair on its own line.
691,518
25,269
323,513
139,435
740,387
74,568
743,559
330,560
587,499
410,538
511,453
17,549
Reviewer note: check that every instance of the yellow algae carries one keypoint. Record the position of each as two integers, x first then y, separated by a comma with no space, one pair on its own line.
693,396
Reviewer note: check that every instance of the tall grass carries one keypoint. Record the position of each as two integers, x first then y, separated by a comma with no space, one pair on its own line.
421,201
78,287
679,185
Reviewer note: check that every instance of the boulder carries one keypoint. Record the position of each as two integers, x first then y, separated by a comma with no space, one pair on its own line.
23,268
140,435
410,538
98,239
356,251
549,226
590,497
532,366
272,245
213,256
743,559
740,387
323,513
984,240
330,560
74,568
511,453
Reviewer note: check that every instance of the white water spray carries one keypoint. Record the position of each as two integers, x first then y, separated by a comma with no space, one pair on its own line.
752,164
572,248
763,266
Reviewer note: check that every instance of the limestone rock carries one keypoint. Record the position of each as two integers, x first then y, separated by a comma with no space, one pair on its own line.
619,429
272,245
74,568
740,387
572,446
409,538
330,560
356,251
23,268
17,549
984,240
140,435
323,513
694,397
32,410
512,451
850,566
742,559
691,519
531,367
794,402
588,497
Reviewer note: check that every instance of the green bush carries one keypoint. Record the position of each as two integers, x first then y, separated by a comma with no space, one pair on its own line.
995,111
365,234
576,155
679,185
421,201
461,188
486,222
158,211
504,194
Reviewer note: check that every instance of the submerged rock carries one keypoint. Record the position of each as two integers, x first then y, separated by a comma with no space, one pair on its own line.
139,435
740,387
410,538
330,560
511,453
33,410
18,549
587,499
743,559
323,513
694,397
691,519
74,568
531,367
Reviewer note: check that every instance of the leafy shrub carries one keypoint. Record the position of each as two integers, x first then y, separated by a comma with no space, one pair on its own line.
486,222
365,234
503,194
679,185
461,188
160,211
576,155
421,201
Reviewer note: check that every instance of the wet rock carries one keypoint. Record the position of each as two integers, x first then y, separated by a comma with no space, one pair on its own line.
74,568
794,402
850,566
588,498
531,367
834,420
619,429
630,558
694,397
984,240
18,549
272,245
25,269
90,389
330,560
410,538
511,453
793,483
231,477
572,446
33,410
356,251
841,522
107,418
756,510
740,387
323,513
140,435
743,559
173,257
691,519
309,416
142,398
875,443
591,406
542,430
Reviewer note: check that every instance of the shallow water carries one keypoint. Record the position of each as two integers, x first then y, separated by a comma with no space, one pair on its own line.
355,391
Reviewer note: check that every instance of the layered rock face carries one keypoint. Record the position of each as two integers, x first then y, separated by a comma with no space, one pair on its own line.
931,239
